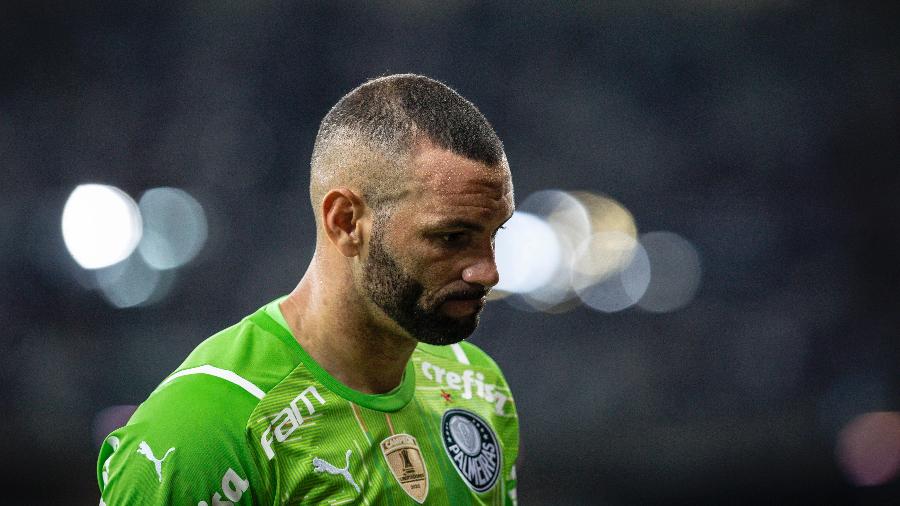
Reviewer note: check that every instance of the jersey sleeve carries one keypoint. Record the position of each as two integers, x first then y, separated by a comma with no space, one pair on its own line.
188,443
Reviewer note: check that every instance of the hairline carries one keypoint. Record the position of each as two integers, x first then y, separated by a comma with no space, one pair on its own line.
399,163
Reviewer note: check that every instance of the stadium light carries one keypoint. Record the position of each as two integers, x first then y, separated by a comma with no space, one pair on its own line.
174,228
675,265
527,253
868,448
101,225
620,286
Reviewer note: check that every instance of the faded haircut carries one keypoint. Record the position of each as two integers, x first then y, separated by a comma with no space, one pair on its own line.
366,139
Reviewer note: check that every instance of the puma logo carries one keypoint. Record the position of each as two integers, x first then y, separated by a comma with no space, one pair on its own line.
145,450
322,466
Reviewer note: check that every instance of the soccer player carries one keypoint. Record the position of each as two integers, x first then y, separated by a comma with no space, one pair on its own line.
357,387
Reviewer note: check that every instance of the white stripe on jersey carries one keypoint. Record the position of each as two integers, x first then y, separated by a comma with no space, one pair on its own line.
219,373
460,353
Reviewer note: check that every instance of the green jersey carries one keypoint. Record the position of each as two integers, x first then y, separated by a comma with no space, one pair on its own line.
251,418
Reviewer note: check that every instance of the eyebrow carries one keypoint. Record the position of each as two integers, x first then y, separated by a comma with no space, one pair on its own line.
464,224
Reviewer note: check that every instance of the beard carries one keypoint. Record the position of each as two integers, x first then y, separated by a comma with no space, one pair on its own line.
400,296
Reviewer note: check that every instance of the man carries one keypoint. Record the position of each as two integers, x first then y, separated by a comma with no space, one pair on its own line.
356,387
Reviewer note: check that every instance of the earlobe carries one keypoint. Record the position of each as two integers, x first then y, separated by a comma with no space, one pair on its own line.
342,212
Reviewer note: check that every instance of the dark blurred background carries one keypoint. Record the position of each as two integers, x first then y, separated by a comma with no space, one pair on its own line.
764,133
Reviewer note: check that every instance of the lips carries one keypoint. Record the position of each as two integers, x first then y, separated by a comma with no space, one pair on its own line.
462,307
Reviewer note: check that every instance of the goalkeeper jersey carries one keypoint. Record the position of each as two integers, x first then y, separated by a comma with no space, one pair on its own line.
251,418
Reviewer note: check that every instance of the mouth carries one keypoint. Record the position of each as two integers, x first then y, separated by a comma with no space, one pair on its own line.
460,308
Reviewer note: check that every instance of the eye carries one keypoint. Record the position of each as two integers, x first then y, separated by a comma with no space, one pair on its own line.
453,238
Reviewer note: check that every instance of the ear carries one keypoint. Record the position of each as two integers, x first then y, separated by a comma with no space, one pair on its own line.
342,216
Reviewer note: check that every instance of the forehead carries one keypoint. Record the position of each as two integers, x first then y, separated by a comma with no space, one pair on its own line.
443,182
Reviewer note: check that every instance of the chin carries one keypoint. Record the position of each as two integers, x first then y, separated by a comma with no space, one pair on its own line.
448,332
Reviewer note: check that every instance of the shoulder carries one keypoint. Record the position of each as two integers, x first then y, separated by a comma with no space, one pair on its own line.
189,438
256,350
181,443
225,376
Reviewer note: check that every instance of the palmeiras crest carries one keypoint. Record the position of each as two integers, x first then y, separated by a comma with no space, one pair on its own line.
472,447
407,465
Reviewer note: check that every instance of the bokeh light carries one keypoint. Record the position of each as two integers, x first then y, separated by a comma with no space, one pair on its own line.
101,225
133,283
567,216
620,288
675,272
868,448
606,214
609,270
570,223
600,256
175,228
527,253
600,262
132,249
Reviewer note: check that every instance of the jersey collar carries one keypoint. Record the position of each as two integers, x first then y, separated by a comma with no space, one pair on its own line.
391,401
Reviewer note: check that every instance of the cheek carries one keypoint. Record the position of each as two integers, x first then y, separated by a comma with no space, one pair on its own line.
433,266
438,274
421,257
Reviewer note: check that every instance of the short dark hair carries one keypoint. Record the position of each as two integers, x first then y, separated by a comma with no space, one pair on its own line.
390,115
394,110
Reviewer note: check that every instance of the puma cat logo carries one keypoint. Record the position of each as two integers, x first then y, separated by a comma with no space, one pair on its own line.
322,466
145,450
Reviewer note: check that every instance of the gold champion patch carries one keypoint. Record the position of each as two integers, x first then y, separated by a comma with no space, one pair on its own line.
406,463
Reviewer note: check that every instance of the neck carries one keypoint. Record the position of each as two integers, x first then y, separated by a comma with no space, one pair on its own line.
333,326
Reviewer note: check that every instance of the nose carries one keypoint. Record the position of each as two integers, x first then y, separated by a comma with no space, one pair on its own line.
483,272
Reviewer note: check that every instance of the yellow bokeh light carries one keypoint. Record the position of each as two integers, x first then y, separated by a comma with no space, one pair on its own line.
610,247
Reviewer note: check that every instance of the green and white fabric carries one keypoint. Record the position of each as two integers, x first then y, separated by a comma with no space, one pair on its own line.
251,418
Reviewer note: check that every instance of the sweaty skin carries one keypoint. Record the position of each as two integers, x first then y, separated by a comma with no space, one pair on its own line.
439,237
